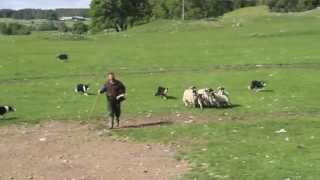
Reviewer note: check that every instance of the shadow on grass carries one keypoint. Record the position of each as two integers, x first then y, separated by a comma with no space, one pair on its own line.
226,107
92,94
234,106
172,98
8,119
267,90
142,125
169,98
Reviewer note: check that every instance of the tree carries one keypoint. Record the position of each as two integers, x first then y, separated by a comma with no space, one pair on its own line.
196,9
118,14
104,14
307,4
79,28
14,29
292,5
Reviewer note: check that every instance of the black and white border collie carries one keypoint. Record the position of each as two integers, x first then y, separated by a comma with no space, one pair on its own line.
6,109
63,57
257,85
82,88
162,92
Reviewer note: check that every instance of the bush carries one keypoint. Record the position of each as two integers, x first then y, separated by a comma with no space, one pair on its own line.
64,36
47,26
79,28
14,29
62,27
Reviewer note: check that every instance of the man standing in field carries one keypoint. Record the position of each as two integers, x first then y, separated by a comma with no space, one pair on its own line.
115,92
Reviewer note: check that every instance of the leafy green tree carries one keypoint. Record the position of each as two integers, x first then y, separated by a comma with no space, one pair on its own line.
196,9
79,28
307,4
14,29
118,14
104,13
4,29
292,5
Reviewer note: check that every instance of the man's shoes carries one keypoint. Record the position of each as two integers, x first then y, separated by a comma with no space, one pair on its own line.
118,122
111,123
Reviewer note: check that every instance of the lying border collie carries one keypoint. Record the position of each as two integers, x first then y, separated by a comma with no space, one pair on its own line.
257,85
82,88
162,92
63,57
6,109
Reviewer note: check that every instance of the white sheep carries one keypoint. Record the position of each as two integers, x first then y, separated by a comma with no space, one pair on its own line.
192,98
222,97
208,97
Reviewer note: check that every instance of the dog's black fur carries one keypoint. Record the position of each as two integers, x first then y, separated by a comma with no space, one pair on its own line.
63,57
162,92
257,85
6,109
82,88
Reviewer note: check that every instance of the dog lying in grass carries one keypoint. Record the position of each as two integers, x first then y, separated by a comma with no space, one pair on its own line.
257,85
162,92
63,57
82,88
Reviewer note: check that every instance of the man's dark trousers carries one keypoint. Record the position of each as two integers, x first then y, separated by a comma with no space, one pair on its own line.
114,107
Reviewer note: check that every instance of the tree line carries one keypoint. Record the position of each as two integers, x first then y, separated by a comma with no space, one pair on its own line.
292,5
42,14
120,14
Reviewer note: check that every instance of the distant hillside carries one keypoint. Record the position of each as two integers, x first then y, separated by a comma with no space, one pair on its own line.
42,14
72,12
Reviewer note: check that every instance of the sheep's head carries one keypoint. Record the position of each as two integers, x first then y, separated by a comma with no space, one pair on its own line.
220,88
193,87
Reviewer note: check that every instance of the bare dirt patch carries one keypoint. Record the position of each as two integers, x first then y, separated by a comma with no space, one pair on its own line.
71,151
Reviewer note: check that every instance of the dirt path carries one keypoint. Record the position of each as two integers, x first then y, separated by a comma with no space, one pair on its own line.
70,151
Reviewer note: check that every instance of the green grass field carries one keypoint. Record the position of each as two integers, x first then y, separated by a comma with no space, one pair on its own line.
177,55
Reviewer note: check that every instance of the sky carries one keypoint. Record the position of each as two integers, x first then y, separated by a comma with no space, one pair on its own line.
43,4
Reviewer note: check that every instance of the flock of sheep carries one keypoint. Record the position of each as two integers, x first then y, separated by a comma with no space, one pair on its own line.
207,97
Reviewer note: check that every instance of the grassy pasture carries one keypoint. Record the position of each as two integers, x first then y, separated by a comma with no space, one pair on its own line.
177,55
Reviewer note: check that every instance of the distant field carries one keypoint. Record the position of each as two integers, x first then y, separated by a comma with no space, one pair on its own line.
177,55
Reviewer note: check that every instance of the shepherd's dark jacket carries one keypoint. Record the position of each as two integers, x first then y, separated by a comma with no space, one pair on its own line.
114,89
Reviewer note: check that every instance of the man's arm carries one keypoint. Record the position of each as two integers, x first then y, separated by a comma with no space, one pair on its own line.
104,89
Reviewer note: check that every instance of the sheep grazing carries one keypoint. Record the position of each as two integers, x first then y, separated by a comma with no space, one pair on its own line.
191,98
63,57
222,97
208,97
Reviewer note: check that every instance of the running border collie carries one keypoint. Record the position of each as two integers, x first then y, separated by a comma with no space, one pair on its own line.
6,109
257,85
162,92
